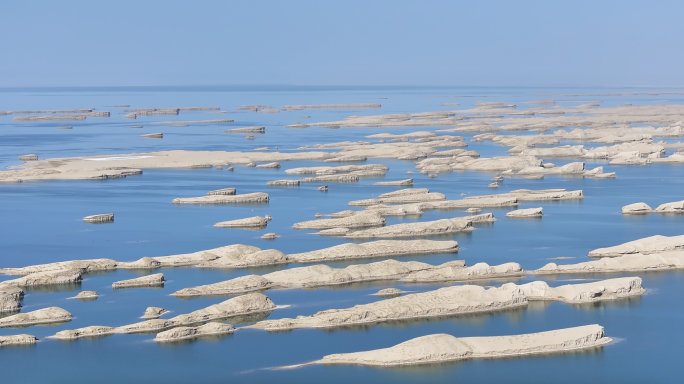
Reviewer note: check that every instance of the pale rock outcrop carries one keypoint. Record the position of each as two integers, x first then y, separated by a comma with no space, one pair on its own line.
493,185
675,207
10,297
538,195
636,209
157,135
263,149
478,271
282,183
525,213
346,159
473,210
440,348
626,263
247,130
645,246
269,236
154,313
224,191
145,281
231,260
333,232
429,228
238,285
84,295
345,178
256,197
395,183
232,252
367,219
82,265
41,316
64,276
389,292
381,248
447,301
269,165
103,218
323,188
250,222
23,339
31,157
401,197
184,333
336,170
241,305
92,331
611,289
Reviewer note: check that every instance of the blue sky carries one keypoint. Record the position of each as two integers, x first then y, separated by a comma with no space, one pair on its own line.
488,43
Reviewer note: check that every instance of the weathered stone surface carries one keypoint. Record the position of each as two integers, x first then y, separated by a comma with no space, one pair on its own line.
525,213
64,276
675,207
241,305
256,221
381,248
224,191
269,236
256,197
441,348
31,157
283,183
92,331
582,293
247,130
41,316
269,165
149,280
457,273
184,333
87,295
367,219
154,312
395,183
645,246
636,209
626,263
442,302
265,257
389,292
6,341
429,228
103,218
158,135
238,285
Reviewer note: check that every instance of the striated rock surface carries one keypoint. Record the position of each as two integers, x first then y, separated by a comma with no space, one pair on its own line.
395,183
87,295
149,280
241,305
224,191
268,165
525,213
41,316
256,221
282,183
247,130
83,265
428,228
459,273
366,219
441,348
154,312
10,298
103,218
92,331
381,248
256,197
345,178
442,302
611,289
65,276
645,246
625,263
675,207
242,260
238,285
23,339
636,209
389,292
183,333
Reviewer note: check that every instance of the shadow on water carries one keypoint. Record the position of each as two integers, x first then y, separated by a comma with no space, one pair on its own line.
52,288
184,342
48,325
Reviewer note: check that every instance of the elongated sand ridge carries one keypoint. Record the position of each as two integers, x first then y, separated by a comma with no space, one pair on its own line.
643,208
366,219
23,339
184,333
41,316
54,277
645,246
332,106
447,301
611,289
538,195
440,348
101,218
322,275
526,213
626,263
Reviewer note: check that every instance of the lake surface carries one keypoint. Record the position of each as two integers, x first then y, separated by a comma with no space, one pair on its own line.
41,222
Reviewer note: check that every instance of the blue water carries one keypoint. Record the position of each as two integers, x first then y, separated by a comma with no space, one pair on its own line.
41,222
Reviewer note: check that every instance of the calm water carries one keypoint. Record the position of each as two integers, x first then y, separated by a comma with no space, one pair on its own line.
42,222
